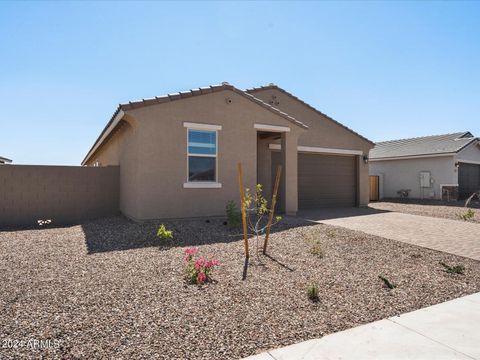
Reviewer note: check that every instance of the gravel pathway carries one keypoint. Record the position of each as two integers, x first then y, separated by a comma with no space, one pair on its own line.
428,208
110,289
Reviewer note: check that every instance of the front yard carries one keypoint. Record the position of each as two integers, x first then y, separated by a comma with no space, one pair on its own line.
111,289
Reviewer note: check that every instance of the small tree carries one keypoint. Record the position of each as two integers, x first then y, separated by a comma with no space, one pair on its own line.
256,207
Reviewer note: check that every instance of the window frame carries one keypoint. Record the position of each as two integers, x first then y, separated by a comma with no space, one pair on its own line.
202,184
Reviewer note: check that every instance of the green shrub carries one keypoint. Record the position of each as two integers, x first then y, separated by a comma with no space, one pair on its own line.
234,216
387,282
467,215
456,269
163,233
312,292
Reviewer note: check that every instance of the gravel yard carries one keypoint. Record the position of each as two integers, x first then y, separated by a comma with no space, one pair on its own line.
434,208
111,289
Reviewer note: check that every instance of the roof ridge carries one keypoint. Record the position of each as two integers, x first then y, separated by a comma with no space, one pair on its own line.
421,137
274,86
186,94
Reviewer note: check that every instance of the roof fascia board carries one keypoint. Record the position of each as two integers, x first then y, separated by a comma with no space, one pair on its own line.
413,157
107,131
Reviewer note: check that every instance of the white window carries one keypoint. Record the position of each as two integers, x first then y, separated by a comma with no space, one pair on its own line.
202,156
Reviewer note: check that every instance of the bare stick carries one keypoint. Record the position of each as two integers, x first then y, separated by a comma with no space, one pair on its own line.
272,209
242,206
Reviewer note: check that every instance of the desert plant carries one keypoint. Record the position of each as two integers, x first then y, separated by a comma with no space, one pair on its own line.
387,282
316,249
455,269
199,269
256,208
312,292
331,233
467,215
234,216
312,239
163,233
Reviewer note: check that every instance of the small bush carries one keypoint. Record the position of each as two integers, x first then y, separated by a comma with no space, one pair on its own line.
312,292
163,233
315,244
234,216
387,282
456,269
316,249
467,215
331,233
199,269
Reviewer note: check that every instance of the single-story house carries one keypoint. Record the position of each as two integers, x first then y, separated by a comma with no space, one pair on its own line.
430,167
178,153
4,160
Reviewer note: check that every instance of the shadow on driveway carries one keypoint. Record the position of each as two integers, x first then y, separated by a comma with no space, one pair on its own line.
335,213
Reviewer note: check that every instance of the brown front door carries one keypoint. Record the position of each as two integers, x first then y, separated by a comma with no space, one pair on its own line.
374,188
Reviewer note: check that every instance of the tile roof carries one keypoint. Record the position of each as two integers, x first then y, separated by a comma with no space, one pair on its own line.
5,160
426,145
276,87
206,90
186,94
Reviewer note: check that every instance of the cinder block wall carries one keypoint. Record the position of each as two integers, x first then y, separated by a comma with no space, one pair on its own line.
62,194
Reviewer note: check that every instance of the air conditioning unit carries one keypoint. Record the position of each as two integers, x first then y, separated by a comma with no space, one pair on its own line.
425,179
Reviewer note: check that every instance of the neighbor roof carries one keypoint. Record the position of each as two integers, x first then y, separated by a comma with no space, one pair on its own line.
183,95
5,160
276,87
420,146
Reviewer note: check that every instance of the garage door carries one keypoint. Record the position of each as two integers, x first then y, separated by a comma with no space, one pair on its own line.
324,180
468,179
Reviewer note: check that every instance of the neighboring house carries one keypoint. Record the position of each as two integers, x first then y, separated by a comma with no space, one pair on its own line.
430,167
5,161
178,153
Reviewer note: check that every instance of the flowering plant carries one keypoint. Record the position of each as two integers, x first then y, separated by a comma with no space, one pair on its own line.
198,269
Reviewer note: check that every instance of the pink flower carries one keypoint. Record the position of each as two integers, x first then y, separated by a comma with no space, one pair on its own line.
191,251
201,277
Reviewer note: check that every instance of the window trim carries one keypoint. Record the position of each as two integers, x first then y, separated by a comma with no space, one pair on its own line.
202,184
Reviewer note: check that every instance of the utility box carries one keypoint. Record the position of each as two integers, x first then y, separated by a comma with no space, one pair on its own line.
425,179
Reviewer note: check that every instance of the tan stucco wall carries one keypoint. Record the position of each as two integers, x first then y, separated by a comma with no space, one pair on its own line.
152,153
322,132
122,150
162,143
63,194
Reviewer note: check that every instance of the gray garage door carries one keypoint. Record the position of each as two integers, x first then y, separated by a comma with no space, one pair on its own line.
324,180
468,179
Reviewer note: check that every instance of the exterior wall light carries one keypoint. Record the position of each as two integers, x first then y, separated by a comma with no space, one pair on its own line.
365,159
457,164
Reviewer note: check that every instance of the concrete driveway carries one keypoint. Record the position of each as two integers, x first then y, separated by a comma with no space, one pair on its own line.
452,236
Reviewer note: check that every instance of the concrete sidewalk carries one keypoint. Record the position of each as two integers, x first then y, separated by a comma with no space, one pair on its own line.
448,331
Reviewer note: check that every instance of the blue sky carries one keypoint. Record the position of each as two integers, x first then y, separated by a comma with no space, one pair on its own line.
386,69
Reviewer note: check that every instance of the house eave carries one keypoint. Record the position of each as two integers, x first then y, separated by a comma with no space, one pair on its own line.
408,157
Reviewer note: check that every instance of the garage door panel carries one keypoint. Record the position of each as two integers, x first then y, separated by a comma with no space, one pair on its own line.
468,179
326,181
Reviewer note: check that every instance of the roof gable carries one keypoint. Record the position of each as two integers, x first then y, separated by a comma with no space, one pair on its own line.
275,87
179,96
421,146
